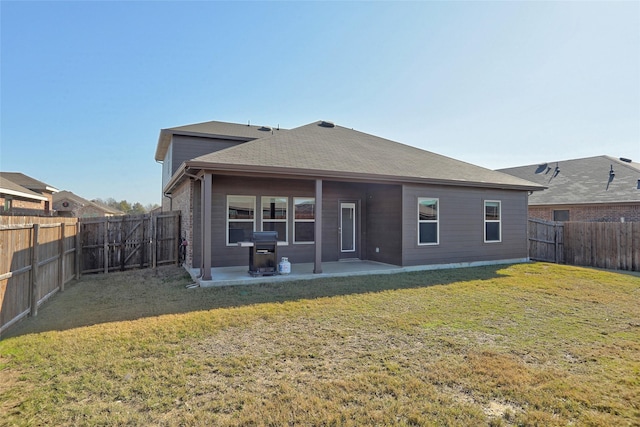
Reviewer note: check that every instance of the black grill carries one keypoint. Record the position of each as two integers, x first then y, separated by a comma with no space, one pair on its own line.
264,253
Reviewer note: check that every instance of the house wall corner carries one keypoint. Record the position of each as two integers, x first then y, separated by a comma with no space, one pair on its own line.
182,200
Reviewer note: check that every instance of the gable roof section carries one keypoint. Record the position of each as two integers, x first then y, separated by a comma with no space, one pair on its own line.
11,188
323,150
212,129
28,182
68,195
582,181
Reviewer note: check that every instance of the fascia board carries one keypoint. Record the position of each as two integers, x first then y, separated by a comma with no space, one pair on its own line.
21,194
350,176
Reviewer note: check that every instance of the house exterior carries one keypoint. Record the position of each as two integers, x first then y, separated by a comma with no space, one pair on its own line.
67,204
23,195
333,193
592,189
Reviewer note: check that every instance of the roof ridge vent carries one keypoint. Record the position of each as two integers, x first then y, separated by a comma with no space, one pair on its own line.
265,128
327,124
624,159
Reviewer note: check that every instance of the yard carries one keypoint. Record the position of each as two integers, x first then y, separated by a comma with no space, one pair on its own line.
528,344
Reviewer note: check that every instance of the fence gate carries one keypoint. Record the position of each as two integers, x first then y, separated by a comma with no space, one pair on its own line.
133,241
546,241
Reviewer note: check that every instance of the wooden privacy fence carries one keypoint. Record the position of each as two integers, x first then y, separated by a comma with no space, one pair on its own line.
124,242
39,255
612,245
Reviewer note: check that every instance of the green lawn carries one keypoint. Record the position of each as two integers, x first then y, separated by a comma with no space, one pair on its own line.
529,344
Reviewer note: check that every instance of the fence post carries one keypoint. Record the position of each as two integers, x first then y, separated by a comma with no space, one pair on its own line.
122,245
34,271
61,263
556,243
106,245
78,249
154,241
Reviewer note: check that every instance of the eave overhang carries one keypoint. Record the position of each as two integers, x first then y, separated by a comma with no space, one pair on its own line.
22,194
197,169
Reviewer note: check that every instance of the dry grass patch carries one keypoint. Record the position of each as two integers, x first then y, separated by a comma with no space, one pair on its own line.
531,344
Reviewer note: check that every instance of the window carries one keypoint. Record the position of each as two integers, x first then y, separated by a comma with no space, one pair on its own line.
561,215
304,219
492,221
427,221
241,219
274,216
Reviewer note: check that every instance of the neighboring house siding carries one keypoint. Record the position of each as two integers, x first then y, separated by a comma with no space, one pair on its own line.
610,212
18,204
461,222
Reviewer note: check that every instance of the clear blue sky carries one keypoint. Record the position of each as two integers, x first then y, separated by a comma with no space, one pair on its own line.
86,86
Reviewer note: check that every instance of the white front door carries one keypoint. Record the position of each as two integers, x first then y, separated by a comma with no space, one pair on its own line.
347,227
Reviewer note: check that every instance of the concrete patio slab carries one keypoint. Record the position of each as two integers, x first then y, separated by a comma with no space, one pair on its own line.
239,275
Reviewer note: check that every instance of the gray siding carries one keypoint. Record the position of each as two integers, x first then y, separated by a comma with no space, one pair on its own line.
184,148
333,194
387,220
224,255
461,222
384,224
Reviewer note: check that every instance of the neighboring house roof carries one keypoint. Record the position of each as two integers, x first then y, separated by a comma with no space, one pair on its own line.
582,181
11,188
77,201
322,149
211,130
28,182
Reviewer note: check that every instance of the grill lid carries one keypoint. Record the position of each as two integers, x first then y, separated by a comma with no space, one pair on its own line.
264,236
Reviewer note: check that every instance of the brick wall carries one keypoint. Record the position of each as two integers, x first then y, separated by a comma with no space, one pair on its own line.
18,205
182,200
590,213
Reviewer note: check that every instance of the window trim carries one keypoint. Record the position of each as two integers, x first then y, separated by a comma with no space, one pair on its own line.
558,212
499,220
285,220
253,221
429,221
295,220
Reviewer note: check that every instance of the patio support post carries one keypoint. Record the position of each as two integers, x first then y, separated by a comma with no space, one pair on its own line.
206,190
317,267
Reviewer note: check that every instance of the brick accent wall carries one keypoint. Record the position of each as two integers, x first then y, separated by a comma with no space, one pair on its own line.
19,205
182,200
590,213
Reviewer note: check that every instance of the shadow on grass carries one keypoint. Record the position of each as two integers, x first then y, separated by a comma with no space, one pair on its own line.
136,294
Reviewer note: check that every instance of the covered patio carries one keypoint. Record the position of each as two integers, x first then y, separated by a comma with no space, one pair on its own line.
238,275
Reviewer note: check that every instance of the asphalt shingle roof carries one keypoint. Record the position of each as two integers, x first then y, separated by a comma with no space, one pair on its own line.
326,151
581,181
212,129
7,186
27,182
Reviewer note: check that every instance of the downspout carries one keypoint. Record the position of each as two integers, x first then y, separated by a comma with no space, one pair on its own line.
205,254
170,197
